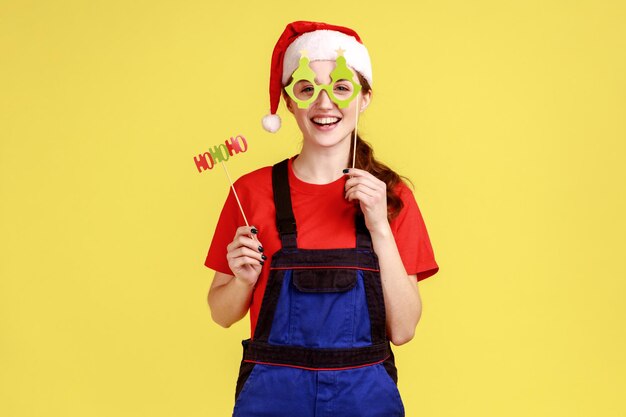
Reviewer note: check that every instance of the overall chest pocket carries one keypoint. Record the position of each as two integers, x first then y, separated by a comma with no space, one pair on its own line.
323,308
324,280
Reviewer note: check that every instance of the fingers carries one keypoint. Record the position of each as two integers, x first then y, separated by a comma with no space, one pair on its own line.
370,202
355,172
243,252
359,191
246,236
240,263
244,249
246,231
358,176
365,187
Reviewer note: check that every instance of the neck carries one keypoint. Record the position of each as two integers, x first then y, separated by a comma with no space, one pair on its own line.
318,165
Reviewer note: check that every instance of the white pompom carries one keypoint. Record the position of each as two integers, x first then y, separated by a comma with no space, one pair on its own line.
271,123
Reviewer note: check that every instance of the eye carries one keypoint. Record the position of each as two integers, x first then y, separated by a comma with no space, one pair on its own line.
304,90
304,86
343,87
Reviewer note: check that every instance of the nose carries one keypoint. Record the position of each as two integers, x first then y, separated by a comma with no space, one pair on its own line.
323,100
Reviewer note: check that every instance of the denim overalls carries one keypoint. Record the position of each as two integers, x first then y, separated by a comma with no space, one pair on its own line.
320,347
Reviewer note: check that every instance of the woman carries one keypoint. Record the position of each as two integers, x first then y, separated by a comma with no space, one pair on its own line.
329,270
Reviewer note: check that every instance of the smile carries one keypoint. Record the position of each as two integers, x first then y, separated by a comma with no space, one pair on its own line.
325,121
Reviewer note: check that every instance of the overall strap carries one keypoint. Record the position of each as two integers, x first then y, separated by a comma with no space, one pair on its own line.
363,238
285,220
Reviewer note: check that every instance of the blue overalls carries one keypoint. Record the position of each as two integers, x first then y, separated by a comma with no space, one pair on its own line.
320,347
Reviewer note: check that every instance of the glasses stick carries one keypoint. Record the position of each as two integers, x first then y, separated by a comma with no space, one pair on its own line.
356,125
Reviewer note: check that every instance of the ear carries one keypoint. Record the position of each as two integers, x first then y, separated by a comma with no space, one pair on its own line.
365,101
288,102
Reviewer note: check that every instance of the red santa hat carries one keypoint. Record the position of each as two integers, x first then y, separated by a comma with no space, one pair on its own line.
321,41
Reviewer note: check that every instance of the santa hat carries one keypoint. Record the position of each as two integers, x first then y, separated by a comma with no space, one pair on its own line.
321,41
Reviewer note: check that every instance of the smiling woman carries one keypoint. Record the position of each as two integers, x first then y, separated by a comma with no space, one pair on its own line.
329,270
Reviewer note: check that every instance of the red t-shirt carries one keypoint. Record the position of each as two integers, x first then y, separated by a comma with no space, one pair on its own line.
324,218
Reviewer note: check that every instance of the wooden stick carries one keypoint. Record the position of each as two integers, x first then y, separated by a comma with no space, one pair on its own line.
356,125
235,192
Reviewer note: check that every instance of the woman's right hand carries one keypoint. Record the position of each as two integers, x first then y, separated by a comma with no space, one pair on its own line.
245,255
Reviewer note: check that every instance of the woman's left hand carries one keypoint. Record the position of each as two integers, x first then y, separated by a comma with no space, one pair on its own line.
371,193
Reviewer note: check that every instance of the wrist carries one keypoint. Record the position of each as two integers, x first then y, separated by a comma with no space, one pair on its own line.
243,283
381,230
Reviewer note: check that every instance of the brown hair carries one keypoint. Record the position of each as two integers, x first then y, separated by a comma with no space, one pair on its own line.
365,160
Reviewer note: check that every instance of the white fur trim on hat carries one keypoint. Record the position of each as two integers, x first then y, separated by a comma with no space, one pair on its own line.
322,45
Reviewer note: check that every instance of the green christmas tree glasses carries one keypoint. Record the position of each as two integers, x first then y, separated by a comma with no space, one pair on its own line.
304,90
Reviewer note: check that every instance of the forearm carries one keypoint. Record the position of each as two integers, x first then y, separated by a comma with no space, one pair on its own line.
229,300
403,306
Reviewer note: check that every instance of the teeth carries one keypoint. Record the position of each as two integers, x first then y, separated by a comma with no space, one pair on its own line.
325,120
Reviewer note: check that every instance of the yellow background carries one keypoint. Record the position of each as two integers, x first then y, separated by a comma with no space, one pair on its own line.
509,117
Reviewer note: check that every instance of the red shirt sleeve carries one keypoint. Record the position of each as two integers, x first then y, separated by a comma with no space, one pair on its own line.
230,219
412,237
